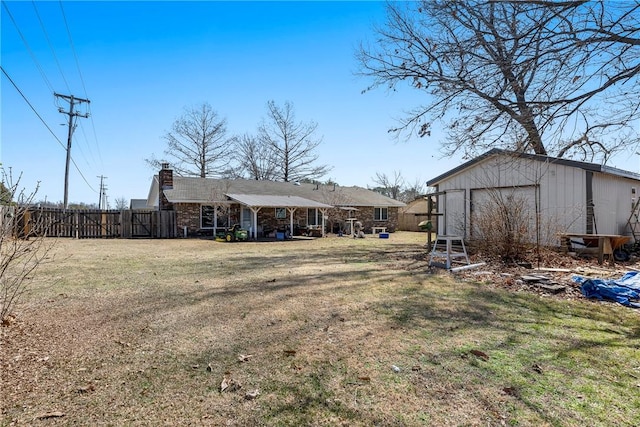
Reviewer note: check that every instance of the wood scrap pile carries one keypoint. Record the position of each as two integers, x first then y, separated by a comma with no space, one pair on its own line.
553,276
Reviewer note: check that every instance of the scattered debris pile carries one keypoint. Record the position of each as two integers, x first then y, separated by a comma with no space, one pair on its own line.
553,276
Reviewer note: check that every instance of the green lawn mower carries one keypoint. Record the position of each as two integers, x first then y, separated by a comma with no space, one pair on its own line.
236,234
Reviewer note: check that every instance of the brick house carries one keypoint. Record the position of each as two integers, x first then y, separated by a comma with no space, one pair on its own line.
205,205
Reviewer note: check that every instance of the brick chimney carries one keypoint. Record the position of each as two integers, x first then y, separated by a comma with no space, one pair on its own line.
165,181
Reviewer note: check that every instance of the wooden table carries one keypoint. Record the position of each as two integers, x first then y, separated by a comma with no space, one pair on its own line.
607,243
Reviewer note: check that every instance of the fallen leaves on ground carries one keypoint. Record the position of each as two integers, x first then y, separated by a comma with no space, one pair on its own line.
229,384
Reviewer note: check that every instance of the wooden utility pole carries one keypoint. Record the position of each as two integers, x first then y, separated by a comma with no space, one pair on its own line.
102,202
72,115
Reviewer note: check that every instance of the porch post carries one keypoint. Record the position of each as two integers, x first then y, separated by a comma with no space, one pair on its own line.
215,220
324,217
291,211
255,221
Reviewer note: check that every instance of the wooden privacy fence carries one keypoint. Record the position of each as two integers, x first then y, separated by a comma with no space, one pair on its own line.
90,223
410,221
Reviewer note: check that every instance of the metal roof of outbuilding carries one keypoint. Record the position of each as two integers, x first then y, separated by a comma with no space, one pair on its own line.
594,167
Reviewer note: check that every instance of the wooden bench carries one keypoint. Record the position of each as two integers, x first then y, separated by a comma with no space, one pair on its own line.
378,230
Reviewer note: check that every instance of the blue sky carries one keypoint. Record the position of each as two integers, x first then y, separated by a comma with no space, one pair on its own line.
141,63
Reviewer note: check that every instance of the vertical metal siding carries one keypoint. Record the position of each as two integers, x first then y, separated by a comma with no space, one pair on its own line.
562,191
563,198
612,203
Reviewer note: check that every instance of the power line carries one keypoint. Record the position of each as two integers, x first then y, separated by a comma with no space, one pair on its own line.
73,49
53,52
24,40
75,55
46,125
72,118
70,159
30,105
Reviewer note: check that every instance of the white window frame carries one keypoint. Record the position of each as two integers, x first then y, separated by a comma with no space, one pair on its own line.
380,214
314,216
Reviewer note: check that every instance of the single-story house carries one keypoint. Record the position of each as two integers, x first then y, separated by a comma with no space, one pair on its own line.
204,205
561,196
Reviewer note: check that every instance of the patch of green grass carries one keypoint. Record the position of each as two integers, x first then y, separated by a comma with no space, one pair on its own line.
557,362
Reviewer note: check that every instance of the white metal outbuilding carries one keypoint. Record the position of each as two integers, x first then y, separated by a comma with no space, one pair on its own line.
563,195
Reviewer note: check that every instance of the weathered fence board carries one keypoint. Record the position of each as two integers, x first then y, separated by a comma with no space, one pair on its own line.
95,223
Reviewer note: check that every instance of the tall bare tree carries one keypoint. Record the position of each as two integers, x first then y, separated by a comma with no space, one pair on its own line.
255,159
548,77
390,186
197,144
292,144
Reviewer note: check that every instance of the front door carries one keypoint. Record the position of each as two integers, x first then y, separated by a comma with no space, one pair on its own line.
247,219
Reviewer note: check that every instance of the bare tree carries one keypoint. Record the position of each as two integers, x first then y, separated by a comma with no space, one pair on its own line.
197,144
548,77
23,246
256,160
390,186
291,143
412,191
121,203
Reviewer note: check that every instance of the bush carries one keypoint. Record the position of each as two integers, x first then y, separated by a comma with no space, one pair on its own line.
21,251
503,226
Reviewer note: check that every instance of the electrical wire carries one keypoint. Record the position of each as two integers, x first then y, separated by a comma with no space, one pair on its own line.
46,125
73,49
75,55
31,106
53,52
24,40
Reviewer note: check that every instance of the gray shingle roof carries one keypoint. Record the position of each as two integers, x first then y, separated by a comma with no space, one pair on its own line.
204,190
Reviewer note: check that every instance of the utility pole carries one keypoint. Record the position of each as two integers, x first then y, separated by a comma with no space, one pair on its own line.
72,115
103,193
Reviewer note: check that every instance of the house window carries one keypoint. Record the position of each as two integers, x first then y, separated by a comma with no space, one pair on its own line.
281,213
222,217
207,218
380,214
314,217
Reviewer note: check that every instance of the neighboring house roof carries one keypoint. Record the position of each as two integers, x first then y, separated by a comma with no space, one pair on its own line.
593,167
207,190
139,204
417,206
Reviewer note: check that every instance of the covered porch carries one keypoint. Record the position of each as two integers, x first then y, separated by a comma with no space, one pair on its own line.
290,204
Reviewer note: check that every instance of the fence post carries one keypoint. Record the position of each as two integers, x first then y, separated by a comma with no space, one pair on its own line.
76,224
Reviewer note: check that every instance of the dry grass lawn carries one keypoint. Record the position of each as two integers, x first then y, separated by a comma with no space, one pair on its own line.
322,332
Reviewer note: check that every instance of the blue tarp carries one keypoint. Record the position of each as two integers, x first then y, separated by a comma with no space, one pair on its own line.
621,290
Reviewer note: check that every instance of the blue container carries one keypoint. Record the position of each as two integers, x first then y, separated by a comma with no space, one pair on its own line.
384,235
279,235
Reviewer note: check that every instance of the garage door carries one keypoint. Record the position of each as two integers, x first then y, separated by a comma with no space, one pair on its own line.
514,205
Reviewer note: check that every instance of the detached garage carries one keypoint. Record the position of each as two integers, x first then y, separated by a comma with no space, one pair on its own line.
549,196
